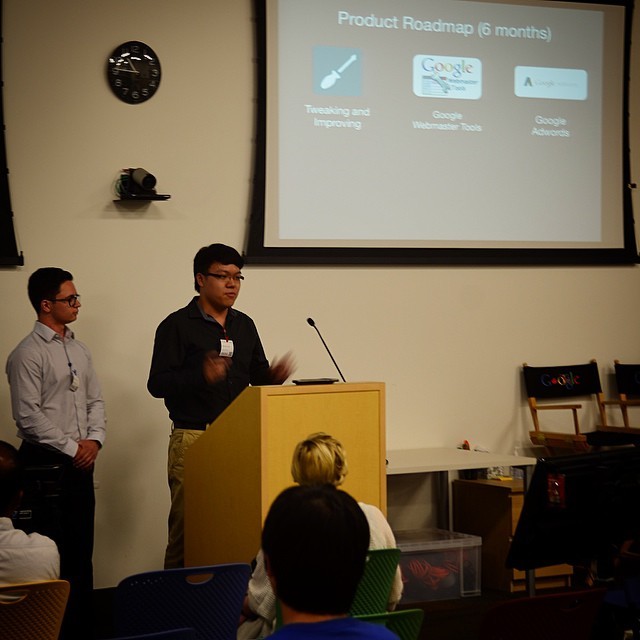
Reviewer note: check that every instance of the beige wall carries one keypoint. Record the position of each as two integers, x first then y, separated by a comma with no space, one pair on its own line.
448,342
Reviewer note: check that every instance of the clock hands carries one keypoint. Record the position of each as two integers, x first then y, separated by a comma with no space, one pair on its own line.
121,68
130,61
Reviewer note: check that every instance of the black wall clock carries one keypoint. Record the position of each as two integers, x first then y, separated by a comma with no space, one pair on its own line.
133,72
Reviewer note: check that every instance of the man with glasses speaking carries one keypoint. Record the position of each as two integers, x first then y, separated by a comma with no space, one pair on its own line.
204,355
59,411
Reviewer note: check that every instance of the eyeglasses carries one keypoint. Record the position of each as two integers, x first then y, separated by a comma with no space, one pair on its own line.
72,301
237,278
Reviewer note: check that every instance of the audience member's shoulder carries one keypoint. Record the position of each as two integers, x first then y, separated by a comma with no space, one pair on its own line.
376,632
11,537
38,540
26,557
371,512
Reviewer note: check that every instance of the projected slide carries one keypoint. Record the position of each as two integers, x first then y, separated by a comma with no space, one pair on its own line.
443,124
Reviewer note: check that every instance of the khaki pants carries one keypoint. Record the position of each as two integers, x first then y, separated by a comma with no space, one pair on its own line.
179,442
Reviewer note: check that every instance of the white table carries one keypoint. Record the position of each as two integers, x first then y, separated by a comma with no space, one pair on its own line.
443,461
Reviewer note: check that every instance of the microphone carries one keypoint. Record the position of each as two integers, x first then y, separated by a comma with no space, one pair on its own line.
313,324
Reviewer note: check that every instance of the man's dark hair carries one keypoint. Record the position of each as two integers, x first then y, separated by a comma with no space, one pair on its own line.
214,253
45,283
11,476
315,540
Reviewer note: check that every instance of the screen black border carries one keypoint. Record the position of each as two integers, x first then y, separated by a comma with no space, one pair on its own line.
9,254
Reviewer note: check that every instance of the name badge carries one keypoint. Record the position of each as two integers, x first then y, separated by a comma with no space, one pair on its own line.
75,381
226,348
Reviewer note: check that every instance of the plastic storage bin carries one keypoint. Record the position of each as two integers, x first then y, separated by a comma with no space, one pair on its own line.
438,564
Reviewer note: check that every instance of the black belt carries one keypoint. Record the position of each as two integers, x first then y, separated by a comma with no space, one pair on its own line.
195,427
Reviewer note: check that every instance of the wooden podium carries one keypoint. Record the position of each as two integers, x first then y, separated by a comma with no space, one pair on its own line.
242,462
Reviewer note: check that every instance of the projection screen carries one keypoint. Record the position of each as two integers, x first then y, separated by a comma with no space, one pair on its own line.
445,131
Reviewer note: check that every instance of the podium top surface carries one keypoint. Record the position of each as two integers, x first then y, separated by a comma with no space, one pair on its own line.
402,461
301,389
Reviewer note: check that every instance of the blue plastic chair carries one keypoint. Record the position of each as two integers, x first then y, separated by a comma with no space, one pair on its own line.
207,599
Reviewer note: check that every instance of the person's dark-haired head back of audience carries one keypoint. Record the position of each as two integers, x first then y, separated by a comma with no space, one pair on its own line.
315,539
11,478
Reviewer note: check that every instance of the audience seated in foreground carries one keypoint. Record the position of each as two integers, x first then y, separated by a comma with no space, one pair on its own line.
23,557
315,541
319,459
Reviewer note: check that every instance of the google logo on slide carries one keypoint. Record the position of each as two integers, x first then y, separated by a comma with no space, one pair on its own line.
455,69
455,77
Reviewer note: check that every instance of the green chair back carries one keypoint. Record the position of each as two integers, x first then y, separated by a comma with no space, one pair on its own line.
374,588
406,624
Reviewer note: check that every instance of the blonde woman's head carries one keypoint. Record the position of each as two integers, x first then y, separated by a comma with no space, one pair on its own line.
320,459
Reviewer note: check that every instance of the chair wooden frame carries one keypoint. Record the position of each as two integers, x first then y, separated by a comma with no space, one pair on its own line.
562,383
33,610
628,389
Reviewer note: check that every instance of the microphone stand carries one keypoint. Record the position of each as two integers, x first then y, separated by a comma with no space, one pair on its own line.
335,364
